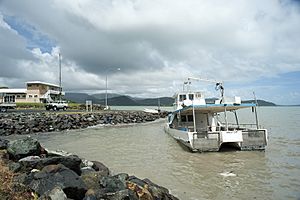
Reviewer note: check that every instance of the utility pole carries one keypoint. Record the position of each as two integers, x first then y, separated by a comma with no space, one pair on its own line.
255,110
60,87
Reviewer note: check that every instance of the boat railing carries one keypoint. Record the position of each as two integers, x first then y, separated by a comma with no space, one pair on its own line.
233,126
244,125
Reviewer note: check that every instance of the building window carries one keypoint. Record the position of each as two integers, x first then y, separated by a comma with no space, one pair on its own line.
9,99
30,96
35,96
18,96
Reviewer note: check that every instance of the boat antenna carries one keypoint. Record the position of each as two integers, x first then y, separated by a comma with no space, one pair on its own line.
186,85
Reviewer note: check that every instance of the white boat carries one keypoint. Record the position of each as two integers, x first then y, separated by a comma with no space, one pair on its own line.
153,111
198,125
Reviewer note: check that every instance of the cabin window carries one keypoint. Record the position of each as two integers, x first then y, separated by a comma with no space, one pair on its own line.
191,97
198,95
190,118
183,118
182,97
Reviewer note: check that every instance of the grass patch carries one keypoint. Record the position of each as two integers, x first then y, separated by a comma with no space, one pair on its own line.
7,187
74,106
30,105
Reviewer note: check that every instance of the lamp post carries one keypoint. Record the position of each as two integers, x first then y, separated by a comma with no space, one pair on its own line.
106,86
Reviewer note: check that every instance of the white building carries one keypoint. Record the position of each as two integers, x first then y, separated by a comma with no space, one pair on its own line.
35,92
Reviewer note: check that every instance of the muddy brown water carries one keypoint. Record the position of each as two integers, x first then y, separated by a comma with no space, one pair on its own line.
146,151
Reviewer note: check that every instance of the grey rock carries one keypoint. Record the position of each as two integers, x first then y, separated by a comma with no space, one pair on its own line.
123,195
114,183
72,162
14,167
24,147
27,123
30,158
55,194
98,166
96,194
58,175
92,179
86,170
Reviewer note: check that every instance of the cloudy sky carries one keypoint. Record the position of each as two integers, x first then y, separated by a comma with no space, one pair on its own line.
251,45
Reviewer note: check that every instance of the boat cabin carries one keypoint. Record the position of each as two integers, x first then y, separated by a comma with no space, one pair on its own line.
184,99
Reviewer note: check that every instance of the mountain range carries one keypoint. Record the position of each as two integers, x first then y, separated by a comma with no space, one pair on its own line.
124,100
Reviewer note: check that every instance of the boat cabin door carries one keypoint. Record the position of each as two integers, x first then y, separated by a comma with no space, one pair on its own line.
201,122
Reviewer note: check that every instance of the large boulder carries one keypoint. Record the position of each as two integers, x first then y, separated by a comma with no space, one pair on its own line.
24,147
72,162
28,163
52,176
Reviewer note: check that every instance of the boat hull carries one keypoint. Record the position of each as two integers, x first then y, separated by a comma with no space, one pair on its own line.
212,142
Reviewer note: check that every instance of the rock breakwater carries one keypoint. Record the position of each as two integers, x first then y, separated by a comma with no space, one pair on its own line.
43,174
28,123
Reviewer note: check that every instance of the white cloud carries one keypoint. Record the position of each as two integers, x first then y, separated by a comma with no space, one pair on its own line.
156,42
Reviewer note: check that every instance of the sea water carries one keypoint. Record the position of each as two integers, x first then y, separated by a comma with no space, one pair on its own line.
146,151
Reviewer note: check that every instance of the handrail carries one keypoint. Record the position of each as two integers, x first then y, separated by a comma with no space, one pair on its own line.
235,126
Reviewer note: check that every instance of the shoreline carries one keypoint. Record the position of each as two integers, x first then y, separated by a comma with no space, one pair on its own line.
21,123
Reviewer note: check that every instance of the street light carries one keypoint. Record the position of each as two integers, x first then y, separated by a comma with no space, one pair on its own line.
106,105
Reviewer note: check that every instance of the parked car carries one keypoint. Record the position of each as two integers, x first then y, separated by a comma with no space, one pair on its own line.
56,105
5,106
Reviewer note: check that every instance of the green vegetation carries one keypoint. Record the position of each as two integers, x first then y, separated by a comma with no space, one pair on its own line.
75,106
30,105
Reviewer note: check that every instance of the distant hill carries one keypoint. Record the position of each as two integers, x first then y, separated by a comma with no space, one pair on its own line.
80,97
122,100
118,100
102,95
163,101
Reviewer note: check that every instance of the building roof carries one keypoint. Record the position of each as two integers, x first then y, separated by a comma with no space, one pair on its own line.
13,91
42,83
